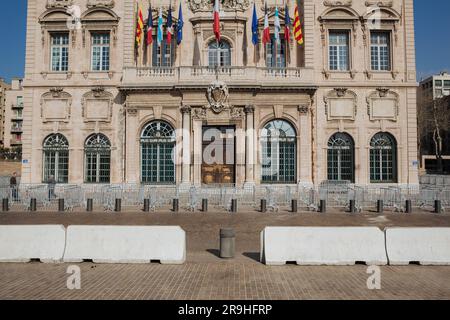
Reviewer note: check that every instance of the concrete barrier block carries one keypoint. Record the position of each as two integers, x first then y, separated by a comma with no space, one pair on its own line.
126,244
427,246
22,243
323,245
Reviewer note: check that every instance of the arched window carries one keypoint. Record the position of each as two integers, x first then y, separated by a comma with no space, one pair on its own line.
97,151
279,152
219,54
341,158
157,152
56,158
383,158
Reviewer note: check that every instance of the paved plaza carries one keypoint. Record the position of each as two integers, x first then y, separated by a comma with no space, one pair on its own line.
206,276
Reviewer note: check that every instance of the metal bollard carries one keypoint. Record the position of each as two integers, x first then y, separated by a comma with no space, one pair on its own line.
408,206
352,206
227,243
437,206
263,205
90,205
5,205
176,205
33,205
380,206
146,205
294,206
323,206
204,205
118,206
234,205
61,207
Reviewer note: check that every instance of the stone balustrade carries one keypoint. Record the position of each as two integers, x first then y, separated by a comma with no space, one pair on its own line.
172,76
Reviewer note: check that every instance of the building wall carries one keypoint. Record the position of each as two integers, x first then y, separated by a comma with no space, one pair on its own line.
306,95
3,89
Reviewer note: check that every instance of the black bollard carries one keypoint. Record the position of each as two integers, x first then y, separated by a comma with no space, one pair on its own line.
33,205
176,205
437,206
294,206
146,205
352,206
204,205
118,206
234,205
61,207
263,205
380,206
90,205
5,205
323,206
408,206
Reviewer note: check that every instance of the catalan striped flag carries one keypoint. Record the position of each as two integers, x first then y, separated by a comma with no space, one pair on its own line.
298,33
139,26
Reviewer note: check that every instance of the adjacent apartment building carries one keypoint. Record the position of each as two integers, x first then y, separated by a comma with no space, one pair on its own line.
432,90
339,107
3,89
14,115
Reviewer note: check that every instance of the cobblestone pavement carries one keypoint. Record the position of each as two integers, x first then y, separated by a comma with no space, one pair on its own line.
205,276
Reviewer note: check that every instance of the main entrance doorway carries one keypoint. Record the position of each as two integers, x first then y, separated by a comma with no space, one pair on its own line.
218,164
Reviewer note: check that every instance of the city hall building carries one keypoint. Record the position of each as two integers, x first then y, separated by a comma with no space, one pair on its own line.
339,107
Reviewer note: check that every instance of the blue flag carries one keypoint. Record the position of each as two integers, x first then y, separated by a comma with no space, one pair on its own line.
180,26
255,30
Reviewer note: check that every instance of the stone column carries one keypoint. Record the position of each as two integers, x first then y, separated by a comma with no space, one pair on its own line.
132,147
304,146
250,146
197,125
186,164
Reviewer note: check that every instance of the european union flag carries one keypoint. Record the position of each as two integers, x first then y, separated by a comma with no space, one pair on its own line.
255,32
180,26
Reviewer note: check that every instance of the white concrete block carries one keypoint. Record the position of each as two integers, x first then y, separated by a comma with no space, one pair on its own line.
126,244
323,245
428,246
21,243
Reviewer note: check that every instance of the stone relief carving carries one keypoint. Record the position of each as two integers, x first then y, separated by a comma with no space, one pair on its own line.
99,95
58,3
51,103
341,104
217,95
381,4
383,104
338,3
226,5
100,3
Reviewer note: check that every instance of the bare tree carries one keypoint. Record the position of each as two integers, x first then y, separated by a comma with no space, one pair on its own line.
437,124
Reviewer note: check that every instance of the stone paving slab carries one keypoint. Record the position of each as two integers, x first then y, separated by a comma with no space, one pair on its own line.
206,276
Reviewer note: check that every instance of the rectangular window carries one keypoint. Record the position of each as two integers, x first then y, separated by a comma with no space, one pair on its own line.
275,53
438,83
380,51
100,51
60,52
20,102
339,53
162,55
447,83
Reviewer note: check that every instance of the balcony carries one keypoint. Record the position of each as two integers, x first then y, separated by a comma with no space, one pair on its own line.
16,129
17,117
167,77
15,142
17,106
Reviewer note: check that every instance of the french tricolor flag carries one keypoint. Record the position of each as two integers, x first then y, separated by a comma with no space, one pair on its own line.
266,31
217,20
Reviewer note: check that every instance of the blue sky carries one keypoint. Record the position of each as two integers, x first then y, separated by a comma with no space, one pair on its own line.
432,37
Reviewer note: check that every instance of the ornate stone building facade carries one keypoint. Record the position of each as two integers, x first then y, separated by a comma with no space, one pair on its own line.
340,107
